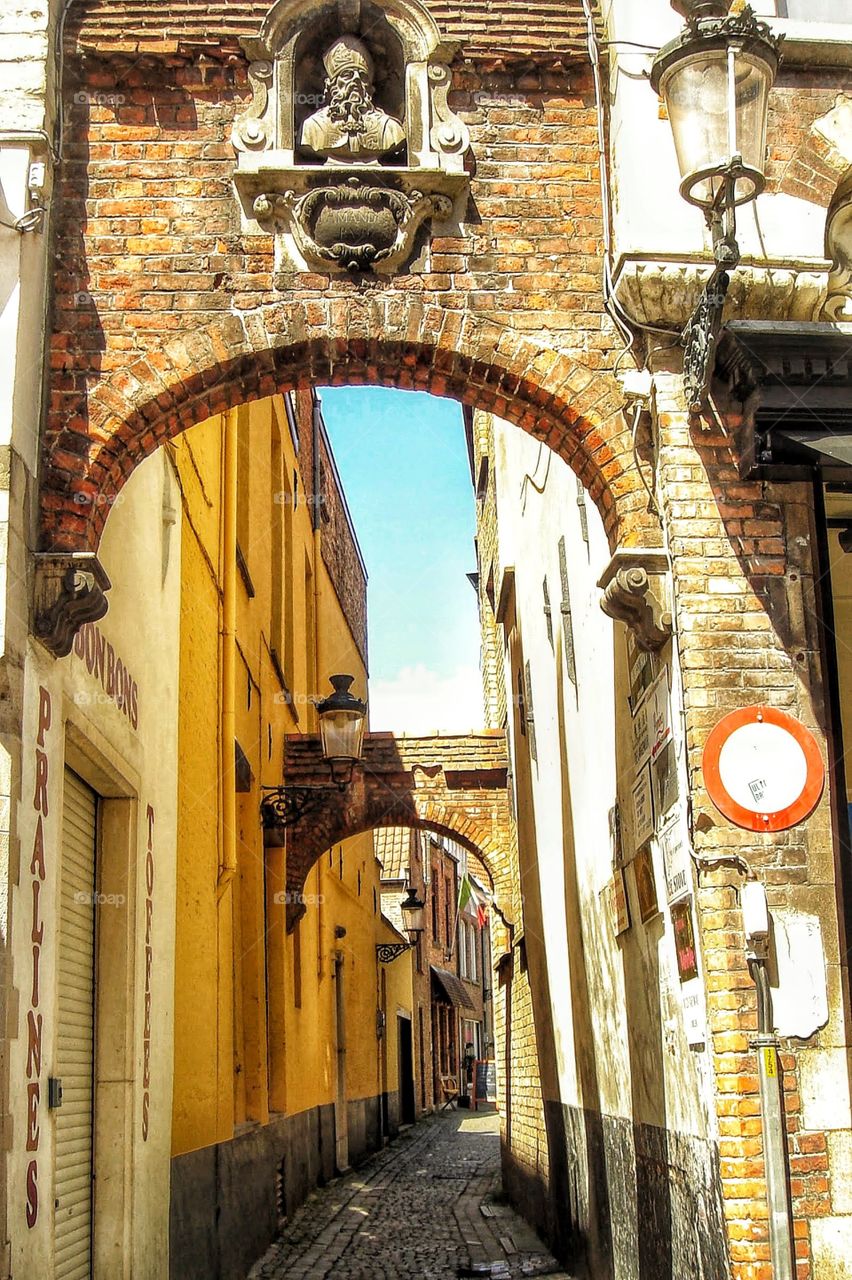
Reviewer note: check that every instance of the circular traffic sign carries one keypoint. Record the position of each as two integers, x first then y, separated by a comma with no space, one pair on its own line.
763,769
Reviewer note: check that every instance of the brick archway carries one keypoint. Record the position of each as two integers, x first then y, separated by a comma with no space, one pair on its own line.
456,785
98,436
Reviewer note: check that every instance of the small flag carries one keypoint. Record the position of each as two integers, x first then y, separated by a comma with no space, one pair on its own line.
465,892
468,893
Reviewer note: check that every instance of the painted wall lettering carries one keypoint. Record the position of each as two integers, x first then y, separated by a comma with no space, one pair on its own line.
103,663
149,958
34,1017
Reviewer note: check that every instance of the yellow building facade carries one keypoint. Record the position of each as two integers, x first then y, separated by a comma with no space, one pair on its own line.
285,1066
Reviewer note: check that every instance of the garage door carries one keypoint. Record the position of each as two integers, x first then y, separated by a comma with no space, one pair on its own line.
76,1033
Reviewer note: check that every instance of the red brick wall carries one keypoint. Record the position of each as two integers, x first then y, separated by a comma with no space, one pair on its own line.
802,163
165,312
748,633
157,25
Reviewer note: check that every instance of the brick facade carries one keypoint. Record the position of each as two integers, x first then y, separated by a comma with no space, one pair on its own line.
164,26
328,507
165,313
452,784
747,602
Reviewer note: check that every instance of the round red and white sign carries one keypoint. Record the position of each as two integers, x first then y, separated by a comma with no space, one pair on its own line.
763,769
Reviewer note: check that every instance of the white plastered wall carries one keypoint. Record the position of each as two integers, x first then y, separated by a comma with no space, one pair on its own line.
626,1053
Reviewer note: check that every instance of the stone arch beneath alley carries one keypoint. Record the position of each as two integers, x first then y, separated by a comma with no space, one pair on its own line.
455,785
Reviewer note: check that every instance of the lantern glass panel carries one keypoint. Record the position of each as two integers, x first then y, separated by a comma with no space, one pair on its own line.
698,97
413,919
342,734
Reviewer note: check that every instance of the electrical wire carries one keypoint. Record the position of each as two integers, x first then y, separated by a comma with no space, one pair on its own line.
530,478
632,44
29,221
652,501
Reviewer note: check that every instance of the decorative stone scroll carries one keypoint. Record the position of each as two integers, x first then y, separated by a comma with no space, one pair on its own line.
838,247
70,590
349,145
635,591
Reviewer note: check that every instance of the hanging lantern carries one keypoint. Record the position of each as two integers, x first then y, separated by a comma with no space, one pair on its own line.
715,78
342,717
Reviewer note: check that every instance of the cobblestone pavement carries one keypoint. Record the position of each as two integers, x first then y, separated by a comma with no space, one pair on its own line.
428,1207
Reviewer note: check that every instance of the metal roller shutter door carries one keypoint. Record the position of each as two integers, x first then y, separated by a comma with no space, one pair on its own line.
76,1033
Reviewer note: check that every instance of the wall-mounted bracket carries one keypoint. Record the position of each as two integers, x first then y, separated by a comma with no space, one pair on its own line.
387,952
285,806
635,591
70,590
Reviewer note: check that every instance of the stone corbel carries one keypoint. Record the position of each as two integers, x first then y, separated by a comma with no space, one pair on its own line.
636,592
449,136
254,130
70,590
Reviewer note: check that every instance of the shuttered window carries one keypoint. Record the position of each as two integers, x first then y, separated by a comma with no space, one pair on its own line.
76,1033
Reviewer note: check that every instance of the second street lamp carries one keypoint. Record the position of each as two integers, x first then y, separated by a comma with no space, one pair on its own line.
342,718
412,908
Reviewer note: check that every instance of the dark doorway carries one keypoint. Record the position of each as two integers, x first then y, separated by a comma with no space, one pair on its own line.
406,1072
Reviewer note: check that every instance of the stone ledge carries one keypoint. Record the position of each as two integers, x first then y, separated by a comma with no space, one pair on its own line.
655,291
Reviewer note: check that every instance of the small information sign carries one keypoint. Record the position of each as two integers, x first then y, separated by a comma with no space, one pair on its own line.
643,808
694,1011
619,910
659,719
676,861
484,1081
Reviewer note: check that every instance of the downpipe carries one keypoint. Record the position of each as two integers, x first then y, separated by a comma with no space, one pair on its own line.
771,1083
228,866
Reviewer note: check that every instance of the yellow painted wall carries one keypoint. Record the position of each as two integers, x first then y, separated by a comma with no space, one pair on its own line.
255,1021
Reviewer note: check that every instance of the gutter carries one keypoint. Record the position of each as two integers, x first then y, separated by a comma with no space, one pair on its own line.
228,865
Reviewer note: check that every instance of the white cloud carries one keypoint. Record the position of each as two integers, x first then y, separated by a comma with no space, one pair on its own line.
420,701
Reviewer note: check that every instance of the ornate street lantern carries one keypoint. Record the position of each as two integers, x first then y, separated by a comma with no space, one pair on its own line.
342,717
412,921
412,908
715,78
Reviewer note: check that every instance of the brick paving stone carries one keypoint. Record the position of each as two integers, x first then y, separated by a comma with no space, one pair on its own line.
413,1212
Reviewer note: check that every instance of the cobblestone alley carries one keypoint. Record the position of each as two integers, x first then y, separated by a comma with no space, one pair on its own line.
426,1208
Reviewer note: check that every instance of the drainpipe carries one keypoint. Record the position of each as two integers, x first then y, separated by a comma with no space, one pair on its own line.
316,525
771,1077
228,867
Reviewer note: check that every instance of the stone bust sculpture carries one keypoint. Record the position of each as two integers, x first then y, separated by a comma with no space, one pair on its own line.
350,127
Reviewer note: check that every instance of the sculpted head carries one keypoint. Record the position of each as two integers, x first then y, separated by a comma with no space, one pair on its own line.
350,125
349,87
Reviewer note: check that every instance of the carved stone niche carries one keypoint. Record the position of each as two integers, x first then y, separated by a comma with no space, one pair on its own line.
635,587
70,590
348,146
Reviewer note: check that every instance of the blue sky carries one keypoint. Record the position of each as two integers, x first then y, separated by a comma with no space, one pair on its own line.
403,461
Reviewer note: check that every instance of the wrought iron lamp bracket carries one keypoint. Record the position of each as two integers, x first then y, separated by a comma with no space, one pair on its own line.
700,338
285,806
387,952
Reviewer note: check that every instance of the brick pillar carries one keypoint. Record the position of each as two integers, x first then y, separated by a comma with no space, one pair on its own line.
745,615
